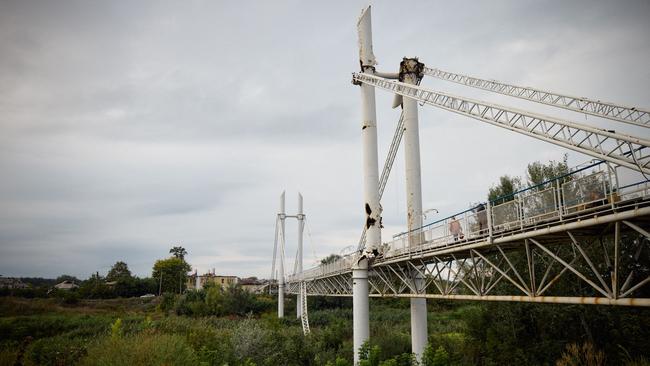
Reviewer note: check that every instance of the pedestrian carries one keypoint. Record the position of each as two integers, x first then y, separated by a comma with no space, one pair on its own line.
455,229
482,218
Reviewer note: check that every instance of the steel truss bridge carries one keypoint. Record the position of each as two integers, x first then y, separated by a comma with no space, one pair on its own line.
585,226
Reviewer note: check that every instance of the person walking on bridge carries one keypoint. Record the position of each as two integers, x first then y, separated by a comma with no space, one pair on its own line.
455,229
482,218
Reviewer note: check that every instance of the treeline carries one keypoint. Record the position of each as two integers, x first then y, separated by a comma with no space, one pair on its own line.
168,275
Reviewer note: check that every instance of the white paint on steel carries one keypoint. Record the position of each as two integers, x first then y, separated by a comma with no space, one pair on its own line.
372,210
631,115
364,29
281,269
414,204
372,207
629,151
537,299
388,165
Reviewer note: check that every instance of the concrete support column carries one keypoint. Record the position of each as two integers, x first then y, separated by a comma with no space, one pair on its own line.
281,269
301,223
411,71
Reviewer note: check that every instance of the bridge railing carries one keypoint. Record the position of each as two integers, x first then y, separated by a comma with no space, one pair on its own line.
561,198
339,265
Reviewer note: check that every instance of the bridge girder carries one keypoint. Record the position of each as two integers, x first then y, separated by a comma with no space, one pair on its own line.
607,263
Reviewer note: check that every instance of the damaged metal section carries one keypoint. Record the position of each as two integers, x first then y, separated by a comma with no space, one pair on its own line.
364,30
411,68
370,221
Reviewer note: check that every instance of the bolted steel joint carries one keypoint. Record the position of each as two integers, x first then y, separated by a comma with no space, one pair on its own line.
411,68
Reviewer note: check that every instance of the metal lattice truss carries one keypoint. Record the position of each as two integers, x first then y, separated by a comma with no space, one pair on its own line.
304,318
630,115
609,268
631,152
339,284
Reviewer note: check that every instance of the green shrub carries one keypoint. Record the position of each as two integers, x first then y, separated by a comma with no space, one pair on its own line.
40,326
59,350
338,362
251,341
167,303
369,355
439,357
141,350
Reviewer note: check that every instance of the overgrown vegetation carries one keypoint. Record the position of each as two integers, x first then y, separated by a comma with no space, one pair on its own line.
132,332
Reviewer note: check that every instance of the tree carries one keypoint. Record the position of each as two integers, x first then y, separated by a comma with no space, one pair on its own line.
119,271
178,252
66,277
537,173
95,288
504,189
330,259
172,273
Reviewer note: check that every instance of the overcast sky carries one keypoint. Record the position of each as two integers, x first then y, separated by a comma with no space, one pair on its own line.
129,127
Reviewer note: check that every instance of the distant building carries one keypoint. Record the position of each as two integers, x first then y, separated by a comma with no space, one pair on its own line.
12,283
196,281
66,285
253,285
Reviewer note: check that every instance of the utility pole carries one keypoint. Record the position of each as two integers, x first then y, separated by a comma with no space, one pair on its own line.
372,209
411,72
160,285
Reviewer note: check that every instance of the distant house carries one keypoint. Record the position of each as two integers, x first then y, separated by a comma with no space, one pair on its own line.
196,281
66,285
12,283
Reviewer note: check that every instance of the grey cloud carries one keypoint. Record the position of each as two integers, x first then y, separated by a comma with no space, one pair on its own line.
128,127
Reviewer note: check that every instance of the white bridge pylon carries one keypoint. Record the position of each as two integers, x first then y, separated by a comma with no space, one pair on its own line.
301,297
559,228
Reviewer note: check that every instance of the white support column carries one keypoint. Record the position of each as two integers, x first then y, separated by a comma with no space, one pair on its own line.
411,72
360,306
301,223
281,269
372,209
